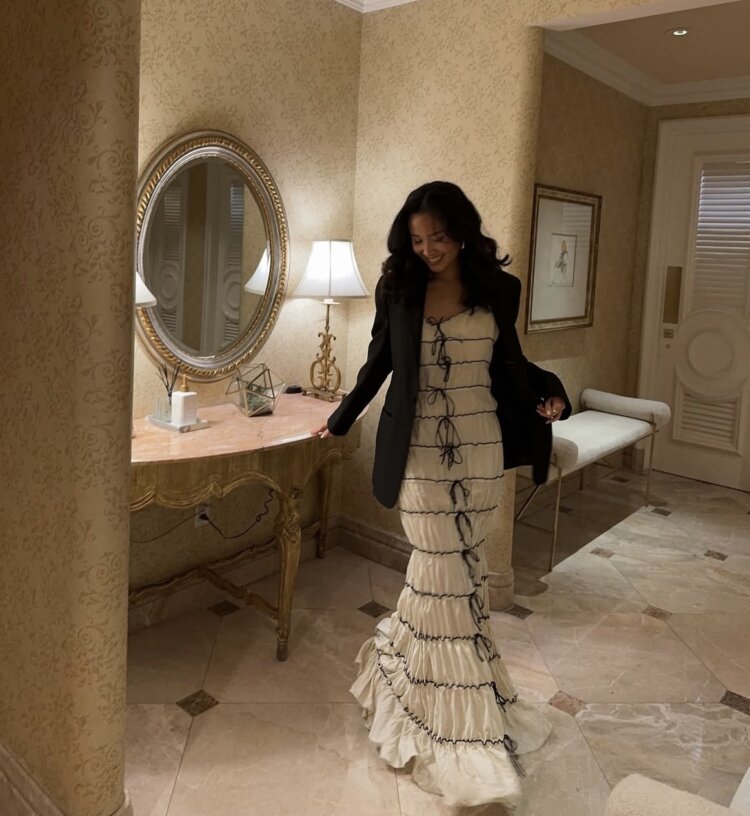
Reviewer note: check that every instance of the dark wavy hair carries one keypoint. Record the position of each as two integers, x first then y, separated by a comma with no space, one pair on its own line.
405,273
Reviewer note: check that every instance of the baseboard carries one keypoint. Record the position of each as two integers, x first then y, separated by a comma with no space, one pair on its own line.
381,546
22,795
153,605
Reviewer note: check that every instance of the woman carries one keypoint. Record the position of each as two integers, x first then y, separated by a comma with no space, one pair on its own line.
463,404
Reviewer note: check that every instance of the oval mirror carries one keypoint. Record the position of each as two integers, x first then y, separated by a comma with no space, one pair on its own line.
212,246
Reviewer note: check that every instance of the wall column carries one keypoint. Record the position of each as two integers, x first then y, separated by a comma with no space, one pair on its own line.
68,130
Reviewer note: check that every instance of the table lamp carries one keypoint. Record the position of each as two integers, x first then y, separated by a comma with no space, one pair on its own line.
143,296
258,281
331,273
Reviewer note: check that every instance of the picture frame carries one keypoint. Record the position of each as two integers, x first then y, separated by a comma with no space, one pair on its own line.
562,259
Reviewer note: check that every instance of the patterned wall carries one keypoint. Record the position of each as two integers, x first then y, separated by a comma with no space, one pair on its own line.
591,139
282,77
458,97
68,167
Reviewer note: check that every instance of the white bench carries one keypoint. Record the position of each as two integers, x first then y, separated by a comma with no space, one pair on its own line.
606,424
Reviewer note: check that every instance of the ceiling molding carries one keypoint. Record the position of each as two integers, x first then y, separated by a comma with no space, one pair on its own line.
365,6
585,55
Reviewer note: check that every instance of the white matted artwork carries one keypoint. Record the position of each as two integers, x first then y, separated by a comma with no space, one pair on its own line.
564,240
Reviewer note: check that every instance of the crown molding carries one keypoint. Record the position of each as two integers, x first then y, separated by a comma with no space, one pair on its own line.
365,6
597,62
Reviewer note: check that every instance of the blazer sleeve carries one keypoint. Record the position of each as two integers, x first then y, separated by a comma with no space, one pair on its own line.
372,374
545,383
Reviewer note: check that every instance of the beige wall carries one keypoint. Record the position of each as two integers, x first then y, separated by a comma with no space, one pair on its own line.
283,78
591,140
68,167
458,97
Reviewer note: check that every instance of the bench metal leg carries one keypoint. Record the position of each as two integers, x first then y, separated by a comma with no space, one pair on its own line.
528,501
557,519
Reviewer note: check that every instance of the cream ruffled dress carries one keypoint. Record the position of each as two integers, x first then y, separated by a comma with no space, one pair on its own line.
431,682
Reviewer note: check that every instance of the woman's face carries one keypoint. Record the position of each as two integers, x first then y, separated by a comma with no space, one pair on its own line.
430,242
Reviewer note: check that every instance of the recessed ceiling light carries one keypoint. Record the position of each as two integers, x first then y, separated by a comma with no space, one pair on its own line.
678,32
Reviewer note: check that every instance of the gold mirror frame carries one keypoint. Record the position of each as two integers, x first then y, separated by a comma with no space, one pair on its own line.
167,163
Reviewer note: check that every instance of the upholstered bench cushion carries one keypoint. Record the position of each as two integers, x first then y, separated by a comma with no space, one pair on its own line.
635,407
588,437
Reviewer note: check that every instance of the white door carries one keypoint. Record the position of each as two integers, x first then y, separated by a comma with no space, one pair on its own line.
696,333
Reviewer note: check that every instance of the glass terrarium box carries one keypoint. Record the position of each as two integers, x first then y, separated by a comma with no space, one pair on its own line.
255,389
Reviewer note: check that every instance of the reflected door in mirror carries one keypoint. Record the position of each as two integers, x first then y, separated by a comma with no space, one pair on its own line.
207,238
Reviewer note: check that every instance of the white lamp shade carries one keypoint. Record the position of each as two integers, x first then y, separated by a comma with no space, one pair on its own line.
258,281
143,296
331,272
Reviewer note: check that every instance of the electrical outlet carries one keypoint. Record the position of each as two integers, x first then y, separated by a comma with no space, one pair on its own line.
200,510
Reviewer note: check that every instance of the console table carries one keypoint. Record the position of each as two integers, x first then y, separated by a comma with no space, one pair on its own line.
181,470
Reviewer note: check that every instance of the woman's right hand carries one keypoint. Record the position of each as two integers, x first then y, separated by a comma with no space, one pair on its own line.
322,432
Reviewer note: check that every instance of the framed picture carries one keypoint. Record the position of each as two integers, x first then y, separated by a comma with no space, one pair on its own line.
562,266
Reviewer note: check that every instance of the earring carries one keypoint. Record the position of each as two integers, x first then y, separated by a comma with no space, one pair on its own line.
463,244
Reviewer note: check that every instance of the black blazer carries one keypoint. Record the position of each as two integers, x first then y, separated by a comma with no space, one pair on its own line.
517,385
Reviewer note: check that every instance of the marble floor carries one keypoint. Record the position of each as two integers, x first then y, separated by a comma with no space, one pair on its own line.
636,646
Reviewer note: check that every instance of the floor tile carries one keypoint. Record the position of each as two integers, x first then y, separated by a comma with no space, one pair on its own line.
584,583
526,665
320,666
622,657
373,609
722,644
387,584
168,661
279,760
197,703
682,582
703,749
341,580
155,739
567,703
736,701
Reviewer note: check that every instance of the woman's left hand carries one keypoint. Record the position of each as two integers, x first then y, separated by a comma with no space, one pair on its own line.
552,409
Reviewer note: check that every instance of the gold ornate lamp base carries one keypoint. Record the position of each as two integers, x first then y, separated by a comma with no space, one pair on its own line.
324,373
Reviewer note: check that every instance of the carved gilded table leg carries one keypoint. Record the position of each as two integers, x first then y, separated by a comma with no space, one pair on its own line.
289,537
325,487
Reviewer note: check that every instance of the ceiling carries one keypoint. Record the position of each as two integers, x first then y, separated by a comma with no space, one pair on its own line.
717,45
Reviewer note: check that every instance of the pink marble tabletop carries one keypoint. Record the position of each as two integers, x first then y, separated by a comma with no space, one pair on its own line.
230,432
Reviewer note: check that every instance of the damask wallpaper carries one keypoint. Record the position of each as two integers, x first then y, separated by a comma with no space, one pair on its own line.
68,132
282,77
349,113
591,139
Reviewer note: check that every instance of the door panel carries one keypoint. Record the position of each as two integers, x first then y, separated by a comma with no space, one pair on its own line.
699,268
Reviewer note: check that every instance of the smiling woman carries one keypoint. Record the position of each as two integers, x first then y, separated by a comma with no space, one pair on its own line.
463,404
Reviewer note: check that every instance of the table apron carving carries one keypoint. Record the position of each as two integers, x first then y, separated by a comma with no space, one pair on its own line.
174,474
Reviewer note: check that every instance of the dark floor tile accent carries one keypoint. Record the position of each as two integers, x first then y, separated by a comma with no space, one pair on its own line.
566,509
656,612
620,479
519,611
374,609
567,703
223,608
737,702
197,703
719,556
602,552
660,511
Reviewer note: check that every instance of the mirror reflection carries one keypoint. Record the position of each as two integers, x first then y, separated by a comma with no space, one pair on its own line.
206,256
